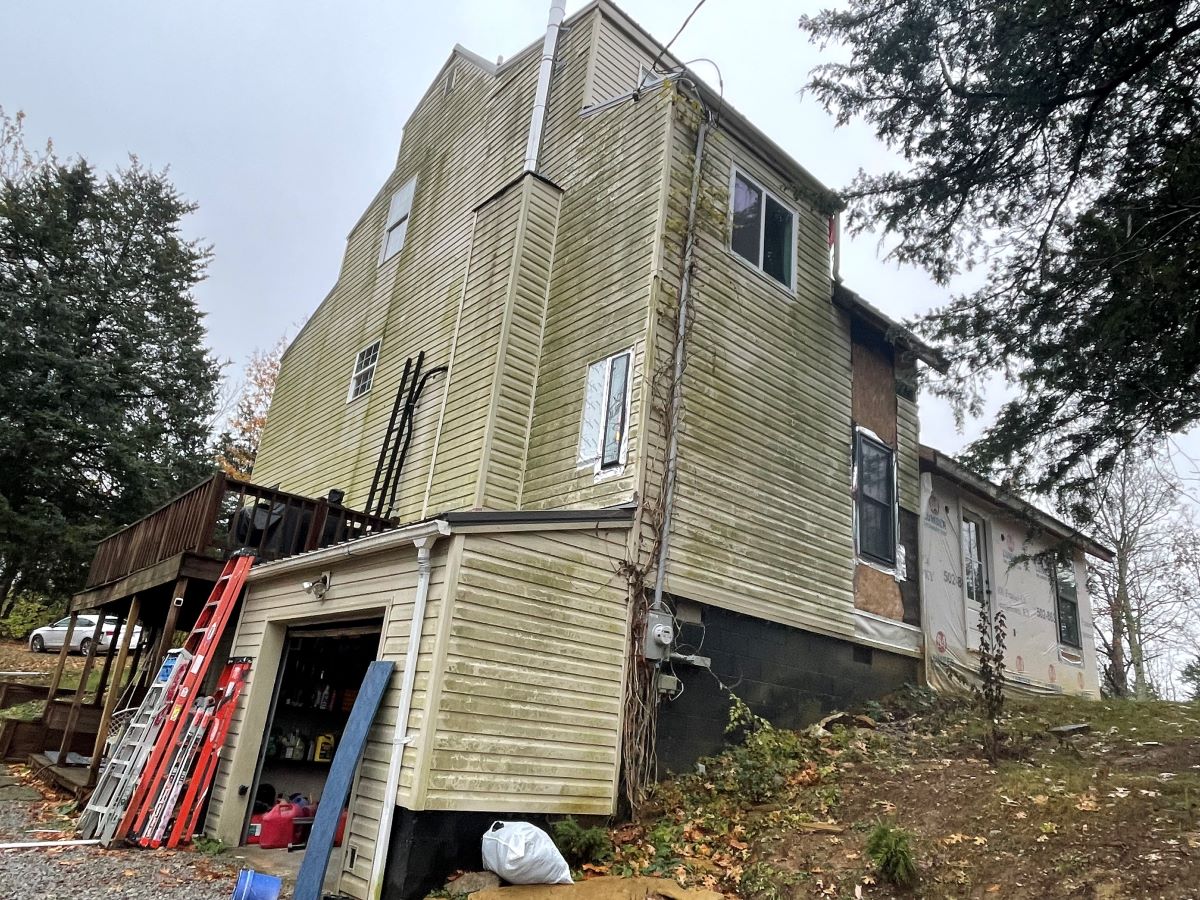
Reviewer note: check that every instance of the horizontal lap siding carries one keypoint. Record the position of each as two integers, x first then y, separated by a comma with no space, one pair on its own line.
530,703
618,61
518,366
611,167
462,147
386,582
763,518
464,419
907,463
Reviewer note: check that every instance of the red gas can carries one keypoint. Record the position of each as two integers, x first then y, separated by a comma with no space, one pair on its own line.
278,826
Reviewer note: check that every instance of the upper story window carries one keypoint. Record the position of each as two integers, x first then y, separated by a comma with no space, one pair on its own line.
764,230
364,371
1067,594
603,438
396,225
875,500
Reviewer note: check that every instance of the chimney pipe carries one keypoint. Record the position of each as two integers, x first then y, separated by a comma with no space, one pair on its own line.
541,97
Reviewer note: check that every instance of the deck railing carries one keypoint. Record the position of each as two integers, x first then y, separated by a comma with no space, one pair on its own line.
222,514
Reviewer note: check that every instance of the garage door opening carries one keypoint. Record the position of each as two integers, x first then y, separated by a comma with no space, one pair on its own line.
319,676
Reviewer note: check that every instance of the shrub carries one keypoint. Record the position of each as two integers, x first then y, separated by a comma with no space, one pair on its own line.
890,850
580,844
29,612
758,767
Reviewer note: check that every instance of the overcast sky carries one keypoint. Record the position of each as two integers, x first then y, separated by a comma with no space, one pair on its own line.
281,120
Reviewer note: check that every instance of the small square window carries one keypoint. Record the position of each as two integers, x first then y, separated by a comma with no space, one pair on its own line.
875,500
396,227
648,78
603,436
764,230
364,371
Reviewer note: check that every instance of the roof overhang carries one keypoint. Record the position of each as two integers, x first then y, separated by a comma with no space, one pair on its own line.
860,309
951,470
429,530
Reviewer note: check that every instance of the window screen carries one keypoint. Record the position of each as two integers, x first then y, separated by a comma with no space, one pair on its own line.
876,501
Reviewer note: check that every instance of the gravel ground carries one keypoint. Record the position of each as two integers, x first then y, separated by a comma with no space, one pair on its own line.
30,812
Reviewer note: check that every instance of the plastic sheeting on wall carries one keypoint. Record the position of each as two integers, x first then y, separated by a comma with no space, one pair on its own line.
1036,661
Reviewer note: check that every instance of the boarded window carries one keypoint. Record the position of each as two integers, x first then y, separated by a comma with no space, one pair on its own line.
603,435
364,371
764,230
875,504
396,226
1068,603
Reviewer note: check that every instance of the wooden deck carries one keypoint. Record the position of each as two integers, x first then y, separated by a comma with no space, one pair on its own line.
72,779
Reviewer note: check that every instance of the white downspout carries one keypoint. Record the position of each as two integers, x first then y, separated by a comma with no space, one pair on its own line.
401,737
541,97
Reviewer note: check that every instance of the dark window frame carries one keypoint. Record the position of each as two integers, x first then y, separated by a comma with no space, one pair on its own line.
1074,639
862,499
759,263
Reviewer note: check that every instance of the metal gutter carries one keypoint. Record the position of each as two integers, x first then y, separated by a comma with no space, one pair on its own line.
367,546
621,514
955,472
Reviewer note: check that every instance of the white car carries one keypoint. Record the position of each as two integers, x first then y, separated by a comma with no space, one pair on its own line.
51,637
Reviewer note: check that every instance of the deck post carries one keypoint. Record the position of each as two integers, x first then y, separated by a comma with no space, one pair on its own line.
62,663
107,667
77,700
114,691
164,639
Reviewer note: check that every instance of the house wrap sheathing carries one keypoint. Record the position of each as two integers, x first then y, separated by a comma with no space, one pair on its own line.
1043,655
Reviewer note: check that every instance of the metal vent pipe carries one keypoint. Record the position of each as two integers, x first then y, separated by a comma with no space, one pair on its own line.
541,98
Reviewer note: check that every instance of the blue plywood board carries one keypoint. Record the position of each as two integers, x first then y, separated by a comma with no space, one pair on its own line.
341,774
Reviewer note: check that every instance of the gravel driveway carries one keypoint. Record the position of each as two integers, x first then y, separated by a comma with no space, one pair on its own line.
30,812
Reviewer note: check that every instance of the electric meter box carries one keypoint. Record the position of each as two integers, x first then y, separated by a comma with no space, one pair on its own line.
660,634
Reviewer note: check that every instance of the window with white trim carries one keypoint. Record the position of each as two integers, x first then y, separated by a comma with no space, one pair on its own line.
875,500
364,371
1067,595
603,436
396,226
763,230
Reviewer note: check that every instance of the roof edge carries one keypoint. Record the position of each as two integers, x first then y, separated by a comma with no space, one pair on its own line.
856,305
933,460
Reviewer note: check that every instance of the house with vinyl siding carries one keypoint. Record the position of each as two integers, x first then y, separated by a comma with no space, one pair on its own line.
588,345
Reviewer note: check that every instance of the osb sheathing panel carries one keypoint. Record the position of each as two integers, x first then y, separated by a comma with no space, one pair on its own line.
874,387
877,592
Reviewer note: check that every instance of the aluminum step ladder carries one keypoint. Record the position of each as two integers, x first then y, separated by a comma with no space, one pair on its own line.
185,754
111,795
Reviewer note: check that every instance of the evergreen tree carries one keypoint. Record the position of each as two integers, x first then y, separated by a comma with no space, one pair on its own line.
107,384
1059,144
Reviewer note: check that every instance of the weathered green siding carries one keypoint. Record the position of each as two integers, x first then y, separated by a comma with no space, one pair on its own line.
763,515
529,703
381,585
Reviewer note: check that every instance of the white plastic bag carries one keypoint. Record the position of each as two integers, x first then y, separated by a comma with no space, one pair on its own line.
521,853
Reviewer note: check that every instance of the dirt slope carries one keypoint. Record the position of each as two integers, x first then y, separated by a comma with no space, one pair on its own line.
1114,813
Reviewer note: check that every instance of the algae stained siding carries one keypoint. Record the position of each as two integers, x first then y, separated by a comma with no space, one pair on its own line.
381,585
763,516
612,167
461,148
529,702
